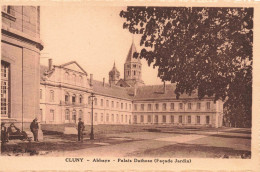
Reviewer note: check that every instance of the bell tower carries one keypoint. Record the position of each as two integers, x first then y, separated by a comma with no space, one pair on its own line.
114,75
133,68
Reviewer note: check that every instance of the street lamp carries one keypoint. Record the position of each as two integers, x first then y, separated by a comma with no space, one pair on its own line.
92,132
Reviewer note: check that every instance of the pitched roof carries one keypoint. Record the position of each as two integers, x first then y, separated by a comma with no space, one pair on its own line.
151,92
130,56
71,62
113,90
114,70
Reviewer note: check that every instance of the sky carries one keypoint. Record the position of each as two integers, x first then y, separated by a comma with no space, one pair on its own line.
92,36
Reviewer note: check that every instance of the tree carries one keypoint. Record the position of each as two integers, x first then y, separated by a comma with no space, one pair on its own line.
204,49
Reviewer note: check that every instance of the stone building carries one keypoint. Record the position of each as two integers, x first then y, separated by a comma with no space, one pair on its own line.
20,63
65,95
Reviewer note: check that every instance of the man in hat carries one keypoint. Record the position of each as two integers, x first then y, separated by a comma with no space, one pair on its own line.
4,133
80,130
34,129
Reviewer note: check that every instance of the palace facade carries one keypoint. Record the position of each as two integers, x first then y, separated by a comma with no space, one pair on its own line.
65,92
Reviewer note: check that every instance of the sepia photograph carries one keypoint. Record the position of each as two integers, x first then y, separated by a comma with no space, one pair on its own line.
140,84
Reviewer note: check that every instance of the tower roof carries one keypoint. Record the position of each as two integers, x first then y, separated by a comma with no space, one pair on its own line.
130,55
114,70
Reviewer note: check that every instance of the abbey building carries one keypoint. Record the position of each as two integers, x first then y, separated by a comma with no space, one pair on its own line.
65,96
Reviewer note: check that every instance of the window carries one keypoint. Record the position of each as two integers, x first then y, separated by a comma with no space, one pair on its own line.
126,118
66,76
40,93
73,99
134,72
198,106
189,119
189,105
95,117
101,117
134,66
156,119
107,103
180,119
130,107
80,99
128,72
198,119
135,119
142,107
122,118
41,117
101,102
107,119
117,118
81,114
117,104
122,105
67,115
172,119
135,106
112,104
142,118
66,98
80,80
208,105
207,119
51,115
8,9
156,106
51,95
149,118
164,118
74,115
149,107
164,106
128,66
4,88
95,100
181,105
172,106
112,118
125,106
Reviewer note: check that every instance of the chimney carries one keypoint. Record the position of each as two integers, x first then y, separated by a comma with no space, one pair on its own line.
164,87
103,82
91,80
50,64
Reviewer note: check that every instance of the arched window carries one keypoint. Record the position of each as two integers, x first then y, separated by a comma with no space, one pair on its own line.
74,116
73,99
80,99
67,98
67,115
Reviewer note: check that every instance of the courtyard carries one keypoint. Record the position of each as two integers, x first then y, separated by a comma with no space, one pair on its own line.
140,141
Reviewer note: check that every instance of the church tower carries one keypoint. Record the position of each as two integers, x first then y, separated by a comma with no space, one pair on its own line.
114,75
133,68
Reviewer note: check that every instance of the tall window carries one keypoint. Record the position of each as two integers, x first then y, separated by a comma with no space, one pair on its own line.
172,119
112,104
122,118
51,96
101,102
142,107
101,117
95,100
164,119
149,107
198,106
156,106
180,105
80,99
198,119
149,118
40,93
172,106
156,119
208,105
107,103
122,105
125,118
107,119
67,114
180,119
189,119
80,113
135,106
52,115
112,118
125,106
117,118
207,119
74,115
73,99
164,106
142,118
67,98
41,117
130,107
189,105
95,118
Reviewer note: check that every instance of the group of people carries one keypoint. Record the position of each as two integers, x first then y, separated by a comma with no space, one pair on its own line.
13,131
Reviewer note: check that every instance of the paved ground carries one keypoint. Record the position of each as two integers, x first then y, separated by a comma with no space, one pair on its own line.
160,142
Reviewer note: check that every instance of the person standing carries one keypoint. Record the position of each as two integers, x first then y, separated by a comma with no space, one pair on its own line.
4,133
34,129
80,130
